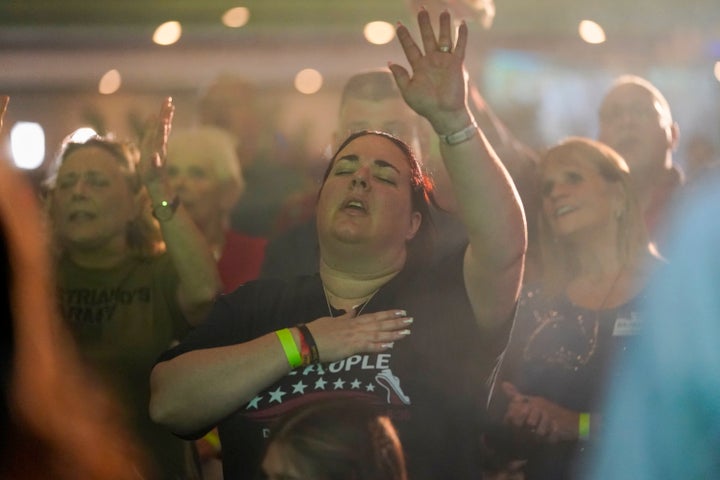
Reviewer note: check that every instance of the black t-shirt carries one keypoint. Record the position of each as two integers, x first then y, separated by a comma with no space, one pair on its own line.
431,384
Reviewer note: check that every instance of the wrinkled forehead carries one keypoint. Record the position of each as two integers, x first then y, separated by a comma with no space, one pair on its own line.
92,157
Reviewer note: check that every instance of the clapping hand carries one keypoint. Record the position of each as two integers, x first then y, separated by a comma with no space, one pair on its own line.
153,144
540,417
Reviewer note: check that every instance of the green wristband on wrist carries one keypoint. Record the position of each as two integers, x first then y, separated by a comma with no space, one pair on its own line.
584,426
291,350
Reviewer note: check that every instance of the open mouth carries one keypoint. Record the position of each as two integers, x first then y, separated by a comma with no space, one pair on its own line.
355,205
565,209
81,216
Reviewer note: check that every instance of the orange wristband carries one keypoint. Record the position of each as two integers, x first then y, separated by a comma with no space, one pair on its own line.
312,346
304,350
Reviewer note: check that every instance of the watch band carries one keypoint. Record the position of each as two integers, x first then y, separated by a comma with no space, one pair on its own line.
461,135
165,210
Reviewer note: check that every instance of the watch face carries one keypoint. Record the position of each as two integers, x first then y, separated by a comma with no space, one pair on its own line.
165,210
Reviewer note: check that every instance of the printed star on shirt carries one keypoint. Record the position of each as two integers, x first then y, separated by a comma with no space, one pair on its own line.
320,384
276,395
254,403
355,384
299,387
339,384
370,387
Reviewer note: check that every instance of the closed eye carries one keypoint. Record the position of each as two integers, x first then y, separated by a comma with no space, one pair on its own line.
547,188
98,182
574,178
389,181
197,172
66,182
346,165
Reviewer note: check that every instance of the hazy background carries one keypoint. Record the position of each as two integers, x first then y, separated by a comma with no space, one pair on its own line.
543,80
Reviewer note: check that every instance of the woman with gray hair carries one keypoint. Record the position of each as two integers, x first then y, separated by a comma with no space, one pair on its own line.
204,171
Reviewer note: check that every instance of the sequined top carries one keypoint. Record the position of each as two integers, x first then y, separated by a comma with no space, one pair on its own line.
564,352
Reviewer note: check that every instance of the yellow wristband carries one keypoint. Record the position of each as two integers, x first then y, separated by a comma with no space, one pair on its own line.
584,426
291,350
213,439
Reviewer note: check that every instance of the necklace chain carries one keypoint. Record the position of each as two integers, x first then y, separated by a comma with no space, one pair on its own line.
599,310
362,306
568,357
609,292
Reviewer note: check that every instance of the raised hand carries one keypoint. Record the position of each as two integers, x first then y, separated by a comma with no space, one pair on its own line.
347,335
437,88
153,144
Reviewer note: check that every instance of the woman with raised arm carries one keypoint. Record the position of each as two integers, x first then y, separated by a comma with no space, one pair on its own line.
272,346
123,297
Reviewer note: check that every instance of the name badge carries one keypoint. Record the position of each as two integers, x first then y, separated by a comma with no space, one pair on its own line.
625,327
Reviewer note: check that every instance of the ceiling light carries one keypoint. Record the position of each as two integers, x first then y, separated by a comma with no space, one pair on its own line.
236,17
110,82
591,32
379,33
167,33
308,81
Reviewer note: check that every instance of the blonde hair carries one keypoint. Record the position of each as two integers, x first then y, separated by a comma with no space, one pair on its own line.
559,260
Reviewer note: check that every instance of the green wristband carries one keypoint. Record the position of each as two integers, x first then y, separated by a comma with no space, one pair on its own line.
291,350
584,426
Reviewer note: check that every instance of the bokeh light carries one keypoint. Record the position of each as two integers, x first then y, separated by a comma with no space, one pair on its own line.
110,82
591,32
27,143
308,81
379,33
236,17
167,33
